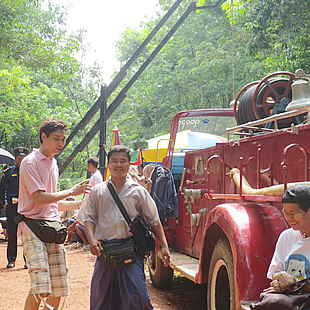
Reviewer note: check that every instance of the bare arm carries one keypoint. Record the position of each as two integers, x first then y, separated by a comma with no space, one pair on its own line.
41,198
160,235
64,205
94,244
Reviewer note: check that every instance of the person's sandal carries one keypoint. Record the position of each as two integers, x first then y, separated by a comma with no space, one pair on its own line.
10,265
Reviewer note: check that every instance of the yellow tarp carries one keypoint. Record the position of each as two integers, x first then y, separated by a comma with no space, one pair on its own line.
150,155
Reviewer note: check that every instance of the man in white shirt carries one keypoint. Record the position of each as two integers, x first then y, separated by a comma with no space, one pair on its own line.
96,178
120,288
92,167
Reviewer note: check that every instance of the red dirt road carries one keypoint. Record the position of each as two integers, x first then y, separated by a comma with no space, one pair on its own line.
14,282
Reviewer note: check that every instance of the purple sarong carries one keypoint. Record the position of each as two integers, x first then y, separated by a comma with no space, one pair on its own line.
119,289
82,230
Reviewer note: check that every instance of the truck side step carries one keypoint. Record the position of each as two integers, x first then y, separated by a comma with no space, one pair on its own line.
186,265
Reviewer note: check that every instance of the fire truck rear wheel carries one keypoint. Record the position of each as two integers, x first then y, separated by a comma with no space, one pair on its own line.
221,285
160,275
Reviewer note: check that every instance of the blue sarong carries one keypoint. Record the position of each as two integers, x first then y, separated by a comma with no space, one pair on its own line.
119,289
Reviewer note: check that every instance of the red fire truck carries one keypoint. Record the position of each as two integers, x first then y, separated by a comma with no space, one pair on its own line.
229,195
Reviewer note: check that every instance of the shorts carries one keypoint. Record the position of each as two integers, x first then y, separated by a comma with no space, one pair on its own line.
47,266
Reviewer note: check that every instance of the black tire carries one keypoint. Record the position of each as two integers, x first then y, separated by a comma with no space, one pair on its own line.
221,283
160,275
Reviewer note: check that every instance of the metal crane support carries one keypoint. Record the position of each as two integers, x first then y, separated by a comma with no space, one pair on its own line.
101,101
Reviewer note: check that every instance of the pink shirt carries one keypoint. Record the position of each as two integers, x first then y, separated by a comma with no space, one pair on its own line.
37,172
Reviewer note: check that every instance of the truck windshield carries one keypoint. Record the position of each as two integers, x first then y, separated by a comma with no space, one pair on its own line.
215,125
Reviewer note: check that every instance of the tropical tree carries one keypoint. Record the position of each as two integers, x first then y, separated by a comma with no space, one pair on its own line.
278,29
40,77
192,71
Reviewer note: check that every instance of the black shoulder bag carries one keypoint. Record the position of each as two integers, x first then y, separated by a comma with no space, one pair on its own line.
142,233
295,298
46,231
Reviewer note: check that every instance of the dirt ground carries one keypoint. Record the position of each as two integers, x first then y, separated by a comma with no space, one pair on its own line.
14,284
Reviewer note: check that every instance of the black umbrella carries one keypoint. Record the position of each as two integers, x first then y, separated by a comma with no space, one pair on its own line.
6,157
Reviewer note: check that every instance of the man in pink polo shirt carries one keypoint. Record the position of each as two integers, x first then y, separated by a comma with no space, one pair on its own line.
39,199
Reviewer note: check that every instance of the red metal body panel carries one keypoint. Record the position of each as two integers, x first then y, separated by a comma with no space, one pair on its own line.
269,152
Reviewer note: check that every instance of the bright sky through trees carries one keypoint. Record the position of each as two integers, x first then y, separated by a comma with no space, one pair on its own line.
104,21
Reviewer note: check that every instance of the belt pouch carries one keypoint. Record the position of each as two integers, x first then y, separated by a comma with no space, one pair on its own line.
119,253
46,231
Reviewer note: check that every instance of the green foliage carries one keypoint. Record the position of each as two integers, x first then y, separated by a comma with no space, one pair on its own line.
29,34
195,68
277,28
236,43
39,78
235,9
192,71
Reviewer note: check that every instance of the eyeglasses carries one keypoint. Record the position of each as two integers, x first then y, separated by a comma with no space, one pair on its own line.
119,162
291,214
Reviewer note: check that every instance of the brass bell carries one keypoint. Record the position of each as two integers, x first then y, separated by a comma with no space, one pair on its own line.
301,96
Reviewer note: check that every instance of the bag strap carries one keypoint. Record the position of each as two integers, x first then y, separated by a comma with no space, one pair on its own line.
19,218
29,222
298,286
119,204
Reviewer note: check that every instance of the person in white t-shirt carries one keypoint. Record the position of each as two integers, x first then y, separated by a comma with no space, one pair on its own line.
96,178
291,259
92,167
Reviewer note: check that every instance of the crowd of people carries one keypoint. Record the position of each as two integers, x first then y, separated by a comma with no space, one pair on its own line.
29,188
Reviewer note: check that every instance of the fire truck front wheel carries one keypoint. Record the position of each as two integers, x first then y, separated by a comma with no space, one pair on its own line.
160,275
221,286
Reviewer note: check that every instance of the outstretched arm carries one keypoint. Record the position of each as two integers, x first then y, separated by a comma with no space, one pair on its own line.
41,198
64,205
